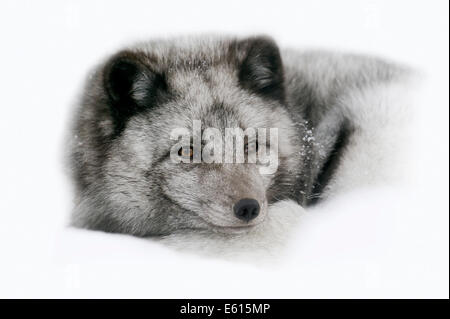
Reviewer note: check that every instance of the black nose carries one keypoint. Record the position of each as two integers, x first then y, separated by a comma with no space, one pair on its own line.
246,209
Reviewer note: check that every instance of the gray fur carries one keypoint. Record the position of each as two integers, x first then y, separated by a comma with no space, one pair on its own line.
126,183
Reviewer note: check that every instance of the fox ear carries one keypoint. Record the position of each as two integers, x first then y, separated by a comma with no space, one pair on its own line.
130,84
262,69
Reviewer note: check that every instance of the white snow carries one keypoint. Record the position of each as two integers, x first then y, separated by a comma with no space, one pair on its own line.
375,241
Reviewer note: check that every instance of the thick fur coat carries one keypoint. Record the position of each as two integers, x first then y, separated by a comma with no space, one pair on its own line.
330,110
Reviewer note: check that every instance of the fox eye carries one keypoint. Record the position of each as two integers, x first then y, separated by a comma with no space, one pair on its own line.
186,152
248,147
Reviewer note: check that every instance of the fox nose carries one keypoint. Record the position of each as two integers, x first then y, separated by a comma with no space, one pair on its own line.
246,209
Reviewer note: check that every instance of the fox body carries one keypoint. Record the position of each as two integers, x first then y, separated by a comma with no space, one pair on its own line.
125,179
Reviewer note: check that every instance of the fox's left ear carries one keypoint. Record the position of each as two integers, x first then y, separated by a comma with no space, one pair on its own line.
261,70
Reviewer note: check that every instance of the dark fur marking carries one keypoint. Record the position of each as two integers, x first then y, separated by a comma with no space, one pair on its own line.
262,70
119,79
331,164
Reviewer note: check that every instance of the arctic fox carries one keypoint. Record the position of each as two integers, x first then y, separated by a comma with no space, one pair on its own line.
122,156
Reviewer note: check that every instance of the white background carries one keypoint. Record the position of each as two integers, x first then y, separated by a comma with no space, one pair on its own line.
387,245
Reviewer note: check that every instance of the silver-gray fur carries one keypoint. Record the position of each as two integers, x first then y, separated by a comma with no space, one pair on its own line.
125,181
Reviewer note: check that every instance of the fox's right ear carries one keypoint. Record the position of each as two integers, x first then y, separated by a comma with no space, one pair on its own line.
130,84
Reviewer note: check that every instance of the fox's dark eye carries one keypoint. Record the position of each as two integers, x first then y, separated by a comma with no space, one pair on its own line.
248,147
186,152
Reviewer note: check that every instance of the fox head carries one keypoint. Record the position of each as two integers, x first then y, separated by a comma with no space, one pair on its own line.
127,180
